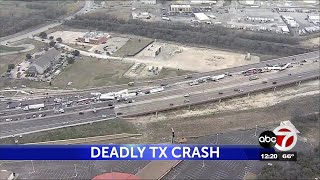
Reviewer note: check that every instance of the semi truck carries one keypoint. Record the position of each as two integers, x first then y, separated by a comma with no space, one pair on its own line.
34,106
156,90
217,78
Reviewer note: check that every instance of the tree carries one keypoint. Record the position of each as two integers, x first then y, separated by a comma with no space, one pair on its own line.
43,35
11,66
76,52
70,60
52,43
59,39
28,56
51,37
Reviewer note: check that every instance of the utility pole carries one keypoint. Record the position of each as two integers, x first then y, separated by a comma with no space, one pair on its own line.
255,132
33,170
217,139
172,137
75,171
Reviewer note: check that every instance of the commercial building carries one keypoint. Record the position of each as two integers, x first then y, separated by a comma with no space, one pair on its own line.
284,29
44,62
153,50
94,38
205,2
181,8
201,17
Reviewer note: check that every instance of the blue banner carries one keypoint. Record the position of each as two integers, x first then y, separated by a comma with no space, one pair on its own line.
132,152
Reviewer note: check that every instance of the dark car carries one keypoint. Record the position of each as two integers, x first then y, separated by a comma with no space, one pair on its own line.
81,113
264,82
119,113
171,104
220,92
274,82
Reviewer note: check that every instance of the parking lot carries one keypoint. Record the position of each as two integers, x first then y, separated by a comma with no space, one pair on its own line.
224,169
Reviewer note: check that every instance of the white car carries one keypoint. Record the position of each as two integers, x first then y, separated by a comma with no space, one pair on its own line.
8,120
187,95
104,116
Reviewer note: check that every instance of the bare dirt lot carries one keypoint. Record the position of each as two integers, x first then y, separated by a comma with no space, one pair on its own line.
90,72
194,59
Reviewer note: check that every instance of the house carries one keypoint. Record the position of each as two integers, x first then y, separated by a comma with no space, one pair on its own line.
45,62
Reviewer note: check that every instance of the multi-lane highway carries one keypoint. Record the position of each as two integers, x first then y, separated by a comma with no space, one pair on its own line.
177,93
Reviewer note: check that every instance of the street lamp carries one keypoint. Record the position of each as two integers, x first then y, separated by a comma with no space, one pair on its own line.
255,133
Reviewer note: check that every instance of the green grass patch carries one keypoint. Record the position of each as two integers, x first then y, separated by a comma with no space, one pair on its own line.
4,49
109,127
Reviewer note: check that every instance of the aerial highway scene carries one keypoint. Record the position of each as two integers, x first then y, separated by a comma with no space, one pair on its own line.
100,72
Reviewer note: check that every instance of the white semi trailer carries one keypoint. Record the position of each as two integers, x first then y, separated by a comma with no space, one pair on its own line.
34,106
217,78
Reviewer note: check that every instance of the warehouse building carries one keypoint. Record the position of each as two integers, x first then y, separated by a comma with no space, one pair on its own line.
153,50
44,62
201,17
205,2
181,8
94,38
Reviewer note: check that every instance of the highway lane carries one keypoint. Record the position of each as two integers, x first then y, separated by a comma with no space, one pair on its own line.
224,83
28,126
10,128
178,101
144,84
170,91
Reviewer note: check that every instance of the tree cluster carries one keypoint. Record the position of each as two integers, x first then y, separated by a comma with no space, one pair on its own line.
216,36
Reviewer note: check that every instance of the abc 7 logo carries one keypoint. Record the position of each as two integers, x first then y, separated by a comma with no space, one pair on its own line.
284,138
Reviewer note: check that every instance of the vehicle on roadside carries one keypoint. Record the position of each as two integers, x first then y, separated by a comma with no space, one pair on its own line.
253,78
187,95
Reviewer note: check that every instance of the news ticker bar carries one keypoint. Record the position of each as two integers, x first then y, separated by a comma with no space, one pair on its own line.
134,152
279,156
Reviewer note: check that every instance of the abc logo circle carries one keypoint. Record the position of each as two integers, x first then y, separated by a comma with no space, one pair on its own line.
267,139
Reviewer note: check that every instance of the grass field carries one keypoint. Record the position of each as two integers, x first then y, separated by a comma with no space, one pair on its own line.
109,127
4,49
132,47
17,58
90,72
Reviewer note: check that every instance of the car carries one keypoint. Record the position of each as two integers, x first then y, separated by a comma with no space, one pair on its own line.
186,101
171,104
274,82
34,116
9,119
299,76
187,95
104,116
264,82
236,89
188,76
150,81
240,90
163,85
2,113
119,113
81,113
220,92
289,74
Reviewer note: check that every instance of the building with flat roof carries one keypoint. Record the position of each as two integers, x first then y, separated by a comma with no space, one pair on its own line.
201,17
206,2
314,19
284,29
182,8
44,62
153,50
94,37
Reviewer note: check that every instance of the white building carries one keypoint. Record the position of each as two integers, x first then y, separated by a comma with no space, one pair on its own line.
284,29
180,8
201,17
153,50
207,2
249,2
